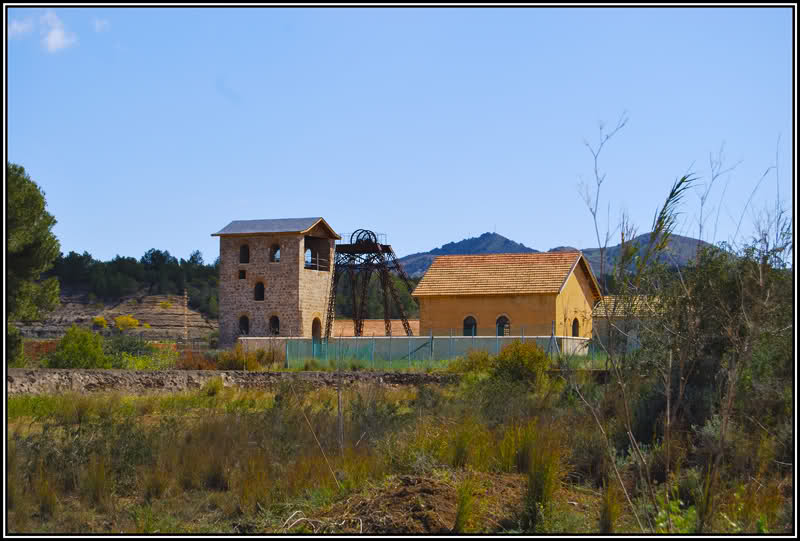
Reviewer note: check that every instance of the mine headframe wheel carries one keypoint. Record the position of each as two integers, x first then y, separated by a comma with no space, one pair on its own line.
361,236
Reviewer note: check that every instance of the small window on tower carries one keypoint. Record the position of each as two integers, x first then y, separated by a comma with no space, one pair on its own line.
242,274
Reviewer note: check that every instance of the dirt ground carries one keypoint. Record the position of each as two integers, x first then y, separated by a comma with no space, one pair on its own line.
422,505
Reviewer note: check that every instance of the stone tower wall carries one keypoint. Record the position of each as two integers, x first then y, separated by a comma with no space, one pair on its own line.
292,293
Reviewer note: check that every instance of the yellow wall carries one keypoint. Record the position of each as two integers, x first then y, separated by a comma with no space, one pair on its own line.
534,313
574,301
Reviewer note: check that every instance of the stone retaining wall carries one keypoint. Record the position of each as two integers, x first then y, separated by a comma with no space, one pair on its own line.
44,380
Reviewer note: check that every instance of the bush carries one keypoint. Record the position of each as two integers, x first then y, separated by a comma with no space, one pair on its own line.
475,361
99,322
14,348
522,362
79,348
123,323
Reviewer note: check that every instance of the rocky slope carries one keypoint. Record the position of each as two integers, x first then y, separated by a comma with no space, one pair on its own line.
163,313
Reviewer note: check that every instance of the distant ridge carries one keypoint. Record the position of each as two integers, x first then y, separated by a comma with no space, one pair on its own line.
682,249
488,243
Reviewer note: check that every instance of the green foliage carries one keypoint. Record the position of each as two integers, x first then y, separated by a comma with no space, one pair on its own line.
79,348
522,362
212,387
476,361
466,506
683,519
31,248
14,347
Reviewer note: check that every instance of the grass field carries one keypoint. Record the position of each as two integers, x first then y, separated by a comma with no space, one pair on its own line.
490,455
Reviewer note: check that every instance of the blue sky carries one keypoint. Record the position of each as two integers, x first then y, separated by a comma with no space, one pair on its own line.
153,128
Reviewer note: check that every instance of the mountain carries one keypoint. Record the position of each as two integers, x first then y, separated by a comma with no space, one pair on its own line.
488,243
682,248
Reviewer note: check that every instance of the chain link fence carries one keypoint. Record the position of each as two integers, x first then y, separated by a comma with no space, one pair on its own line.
435,350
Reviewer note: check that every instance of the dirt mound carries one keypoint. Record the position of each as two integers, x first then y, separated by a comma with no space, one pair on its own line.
424,505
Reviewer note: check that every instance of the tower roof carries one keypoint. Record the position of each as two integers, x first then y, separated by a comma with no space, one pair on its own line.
275,225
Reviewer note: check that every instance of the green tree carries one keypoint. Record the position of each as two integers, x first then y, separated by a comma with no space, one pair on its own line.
79,348
31,250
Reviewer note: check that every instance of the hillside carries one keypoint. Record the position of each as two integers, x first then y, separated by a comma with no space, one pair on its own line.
682,248
164,314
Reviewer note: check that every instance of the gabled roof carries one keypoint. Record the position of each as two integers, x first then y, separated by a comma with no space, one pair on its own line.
501,274
280,225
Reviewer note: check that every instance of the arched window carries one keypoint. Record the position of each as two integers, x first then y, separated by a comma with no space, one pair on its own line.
503,326
259,292
575,327
470,326
308,257
275,253
244,325
244,254
274,325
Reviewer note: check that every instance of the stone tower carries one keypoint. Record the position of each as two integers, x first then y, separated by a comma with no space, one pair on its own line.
274,277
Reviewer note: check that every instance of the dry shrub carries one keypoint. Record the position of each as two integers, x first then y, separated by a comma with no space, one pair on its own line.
44,493
253,487
470,445
98,482
610,507
194,360
545,471
156,481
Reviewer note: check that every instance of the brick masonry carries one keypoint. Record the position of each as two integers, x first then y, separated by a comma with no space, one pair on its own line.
292,293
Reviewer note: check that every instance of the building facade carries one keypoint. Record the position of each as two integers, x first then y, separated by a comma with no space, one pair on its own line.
275,277
508,294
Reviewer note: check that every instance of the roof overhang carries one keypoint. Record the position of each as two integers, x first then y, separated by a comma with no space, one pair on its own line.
320,221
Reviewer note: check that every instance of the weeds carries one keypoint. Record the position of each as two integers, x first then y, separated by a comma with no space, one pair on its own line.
466,506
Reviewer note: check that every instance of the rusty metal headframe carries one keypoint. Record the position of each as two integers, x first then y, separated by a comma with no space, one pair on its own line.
359,260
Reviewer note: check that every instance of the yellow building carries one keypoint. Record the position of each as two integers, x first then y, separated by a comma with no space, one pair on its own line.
508,294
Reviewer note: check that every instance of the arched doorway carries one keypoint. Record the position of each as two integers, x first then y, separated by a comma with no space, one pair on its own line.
244,325
316,338
575,327
503,326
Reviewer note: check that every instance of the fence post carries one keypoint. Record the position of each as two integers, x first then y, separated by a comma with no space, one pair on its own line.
523,335
372,353
287,354
409,351
390,351
496,343
430,359
450,346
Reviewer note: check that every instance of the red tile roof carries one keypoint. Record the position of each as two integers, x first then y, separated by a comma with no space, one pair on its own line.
498,274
